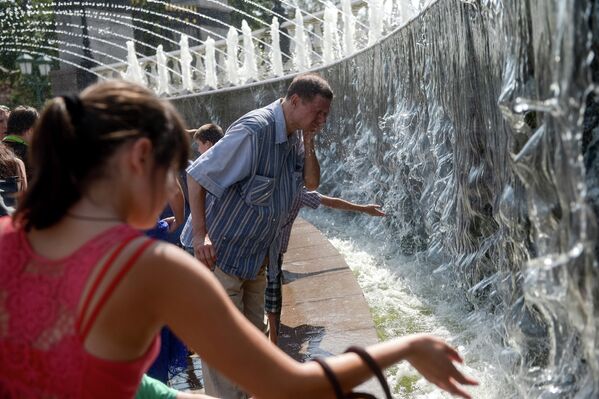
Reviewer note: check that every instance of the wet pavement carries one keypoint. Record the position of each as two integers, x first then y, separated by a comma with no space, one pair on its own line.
324,310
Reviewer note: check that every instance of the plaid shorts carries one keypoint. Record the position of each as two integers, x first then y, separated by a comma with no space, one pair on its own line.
273,295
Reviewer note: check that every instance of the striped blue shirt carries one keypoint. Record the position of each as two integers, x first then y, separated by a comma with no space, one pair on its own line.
304,198
251,175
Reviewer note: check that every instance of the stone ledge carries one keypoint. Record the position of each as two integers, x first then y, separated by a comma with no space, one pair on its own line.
324,309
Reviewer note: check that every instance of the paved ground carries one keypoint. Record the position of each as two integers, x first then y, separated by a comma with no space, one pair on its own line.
324,310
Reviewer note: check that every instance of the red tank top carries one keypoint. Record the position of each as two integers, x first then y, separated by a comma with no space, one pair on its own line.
41,334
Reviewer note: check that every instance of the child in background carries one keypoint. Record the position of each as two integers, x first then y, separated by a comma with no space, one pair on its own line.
204,137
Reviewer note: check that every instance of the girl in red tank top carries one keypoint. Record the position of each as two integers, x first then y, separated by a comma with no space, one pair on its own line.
83,295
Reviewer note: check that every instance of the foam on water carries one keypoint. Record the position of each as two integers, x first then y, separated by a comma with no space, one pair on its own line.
406,297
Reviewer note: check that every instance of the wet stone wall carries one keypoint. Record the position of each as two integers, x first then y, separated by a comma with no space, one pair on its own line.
476,126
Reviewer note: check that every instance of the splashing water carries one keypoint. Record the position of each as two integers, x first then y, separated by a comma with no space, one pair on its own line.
349,25
211,78
330,50
185,60
475,125
232,63
276,59
134,73
301,59
250,70
163,87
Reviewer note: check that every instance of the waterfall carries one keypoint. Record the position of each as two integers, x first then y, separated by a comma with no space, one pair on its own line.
475,126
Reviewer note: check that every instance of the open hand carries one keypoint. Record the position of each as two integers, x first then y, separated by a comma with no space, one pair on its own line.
434,359
374,210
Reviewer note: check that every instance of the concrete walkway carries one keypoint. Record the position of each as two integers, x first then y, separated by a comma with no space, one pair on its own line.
324,310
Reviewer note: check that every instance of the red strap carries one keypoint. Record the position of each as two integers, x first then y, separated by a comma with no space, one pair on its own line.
113,285
99,278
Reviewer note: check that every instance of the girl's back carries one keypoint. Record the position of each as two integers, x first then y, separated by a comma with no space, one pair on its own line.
41,334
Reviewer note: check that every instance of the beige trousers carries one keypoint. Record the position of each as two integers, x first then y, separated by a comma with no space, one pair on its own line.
248,297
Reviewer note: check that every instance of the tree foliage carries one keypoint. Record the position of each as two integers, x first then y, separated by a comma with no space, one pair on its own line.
27,27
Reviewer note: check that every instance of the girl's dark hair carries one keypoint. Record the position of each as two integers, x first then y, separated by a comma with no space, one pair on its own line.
76,136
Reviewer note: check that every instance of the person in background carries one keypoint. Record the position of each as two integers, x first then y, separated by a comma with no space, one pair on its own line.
252,176
13,179
273,298
172,358
4,112
87,293
204,138
19,129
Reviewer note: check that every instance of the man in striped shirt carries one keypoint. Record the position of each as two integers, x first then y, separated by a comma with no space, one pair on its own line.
311,199
252,176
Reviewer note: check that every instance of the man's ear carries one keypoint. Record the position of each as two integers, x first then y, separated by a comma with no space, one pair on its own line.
295,99
141,155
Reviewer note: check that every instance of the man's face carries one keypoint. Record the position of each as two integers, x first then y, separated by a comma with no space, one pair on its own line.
3,120
311,115
203,147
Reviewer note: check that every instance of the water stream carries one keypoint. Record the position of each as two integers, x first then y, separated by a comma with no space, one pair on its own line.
474,126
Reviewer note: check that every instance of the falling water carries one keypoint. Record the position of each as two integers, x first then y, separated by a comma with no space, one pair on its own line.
276,59
330,44
232,50
163,87
185,60
134,72
375,20
348,28
470,126
250,70
211,80
301,60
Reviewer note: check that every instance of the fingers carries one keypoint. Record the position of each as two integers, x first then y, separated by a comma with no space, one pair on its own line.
212,255
375,210
453,354
206,255
452,387
462,379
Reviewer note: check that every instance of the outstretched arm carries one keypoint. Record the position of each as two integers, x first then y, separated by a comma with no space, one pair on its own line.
195,306
338,203
168,287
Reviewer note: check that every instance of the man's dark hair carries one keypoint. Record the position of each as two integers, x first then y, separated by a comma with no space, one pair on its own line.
208,132
21,119
309,85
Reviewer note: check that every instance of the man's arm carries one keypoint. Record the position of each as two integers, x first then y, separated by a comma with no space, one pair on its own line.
311,165
338,203
202,246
